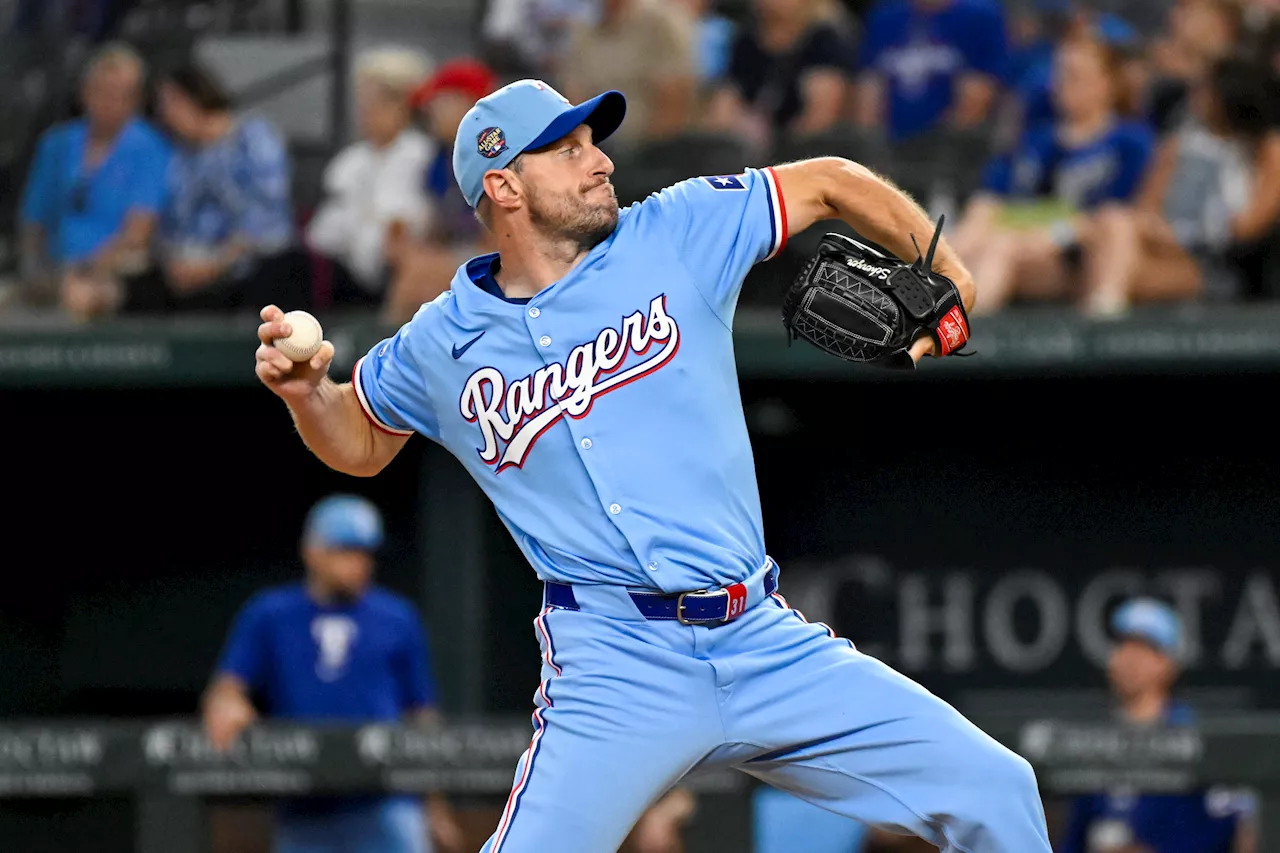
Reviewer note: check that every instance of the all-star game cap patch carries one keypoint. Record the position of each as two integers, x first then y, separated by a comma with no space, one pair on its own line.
491,142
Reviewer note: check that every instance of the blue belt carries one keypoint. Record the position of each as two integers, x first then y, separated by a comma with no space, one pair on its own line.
708,608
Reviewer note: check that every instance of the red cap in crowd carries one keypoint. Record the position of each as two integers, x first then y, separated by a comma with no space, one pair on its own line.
467,76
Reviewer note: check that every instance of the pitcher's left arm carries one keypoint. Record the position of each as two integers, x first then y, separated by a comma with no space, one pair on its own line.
836,188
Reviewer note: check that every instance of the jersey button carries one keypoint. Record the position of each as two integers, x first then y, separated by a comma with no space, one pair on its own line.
545,341
615,509
653,567
534,312
586,444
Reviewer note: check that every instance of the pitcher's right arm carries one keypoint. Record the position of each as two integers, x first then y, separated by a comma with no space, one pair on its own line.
328,415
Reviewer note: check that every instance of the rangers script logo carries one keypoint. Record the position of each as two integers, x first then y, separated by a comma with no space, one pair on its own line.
519,412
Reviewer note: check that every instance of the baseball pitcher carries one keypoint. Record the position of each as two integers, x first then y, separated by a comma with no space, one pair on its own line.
585,376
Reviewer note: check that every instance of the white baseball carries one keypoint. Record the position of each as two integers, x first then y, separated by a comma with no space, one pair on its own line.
305,339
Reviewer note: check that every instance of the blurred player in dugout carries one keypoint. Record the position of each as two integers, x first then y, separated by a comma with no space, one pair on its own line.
334,647
1142,670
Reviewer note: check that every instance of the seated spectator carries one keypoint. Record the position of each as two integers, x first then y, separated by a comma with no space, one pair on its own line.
930,63
1046,219
227,236
1214,188
95,189
453,235
1200,32
644,49
374,206
1030,74
787,73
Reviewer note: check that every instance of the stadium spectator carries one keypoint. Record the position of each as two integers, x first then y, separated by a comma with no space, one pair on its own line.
1142,670
334,647
375,207
788,73
645,49
1199,33
713,42
227,234
930,63
1035,36
453,234
528,38
1048,219
1214,189
94,192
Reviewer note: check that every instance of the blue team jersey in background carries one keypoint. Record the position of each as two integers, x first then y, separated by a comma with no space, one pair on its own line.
922,53
1201,822
1109,167
363,661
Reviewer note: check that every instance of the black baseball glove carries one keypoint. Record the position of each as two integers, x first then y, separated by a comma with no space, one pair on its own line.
860,302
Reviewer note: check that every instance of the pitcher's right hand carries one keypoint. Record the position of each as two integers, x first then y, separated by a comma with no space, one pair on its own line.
293,381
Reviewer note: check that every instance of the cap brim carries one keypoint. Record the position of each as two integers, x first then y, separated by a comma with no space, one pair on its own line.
603,114
1146,639
346,545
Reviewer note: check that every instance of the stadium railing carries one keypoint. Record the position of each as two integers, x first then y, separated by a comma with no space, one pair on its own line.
169,765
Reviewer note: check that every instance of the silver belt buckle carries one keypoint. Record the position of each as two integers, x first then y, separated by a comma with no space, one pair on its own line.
680,606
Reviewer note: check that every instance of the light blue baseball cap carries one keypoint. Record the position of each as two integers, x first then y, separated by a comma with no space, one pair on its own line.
1149,620
344,521
521,116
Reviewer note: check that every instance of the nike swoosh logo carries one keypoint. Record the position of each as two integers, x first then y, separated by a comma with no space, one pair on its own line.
459,350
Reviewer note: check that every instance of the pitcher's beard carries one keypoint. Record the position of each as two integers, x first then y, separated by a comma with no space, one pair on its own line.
572,217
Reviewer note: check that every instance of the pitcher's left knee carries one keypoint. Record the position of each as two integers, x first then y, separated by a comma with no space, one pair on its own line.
997,806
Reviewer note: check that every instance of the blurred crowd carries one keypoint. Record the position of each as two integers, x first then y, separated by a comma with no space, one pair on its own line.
1088,155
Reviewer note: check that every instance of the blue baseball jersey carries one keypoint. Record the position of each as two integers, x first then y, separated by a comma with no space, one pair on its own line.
1109,167
602,417
365,660
1200,822
922,54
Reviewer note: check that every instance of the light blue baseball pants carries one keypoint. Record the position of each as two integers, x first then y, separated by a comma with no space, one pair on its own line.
627,707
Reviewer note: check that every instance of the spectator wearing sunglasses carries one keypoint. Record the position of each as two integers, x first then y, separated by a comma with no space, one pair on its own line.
94,192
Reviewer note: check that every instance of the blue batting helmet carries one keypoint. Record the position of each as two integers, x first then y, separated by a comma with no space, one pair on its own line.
1149,620
344,521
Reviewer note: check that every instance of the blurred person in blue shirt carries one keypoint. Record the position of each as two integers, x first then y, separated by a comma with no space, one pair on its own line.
1036,36
1045,219
930,63
94,192
227,237
335,647
1142,670
715,34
